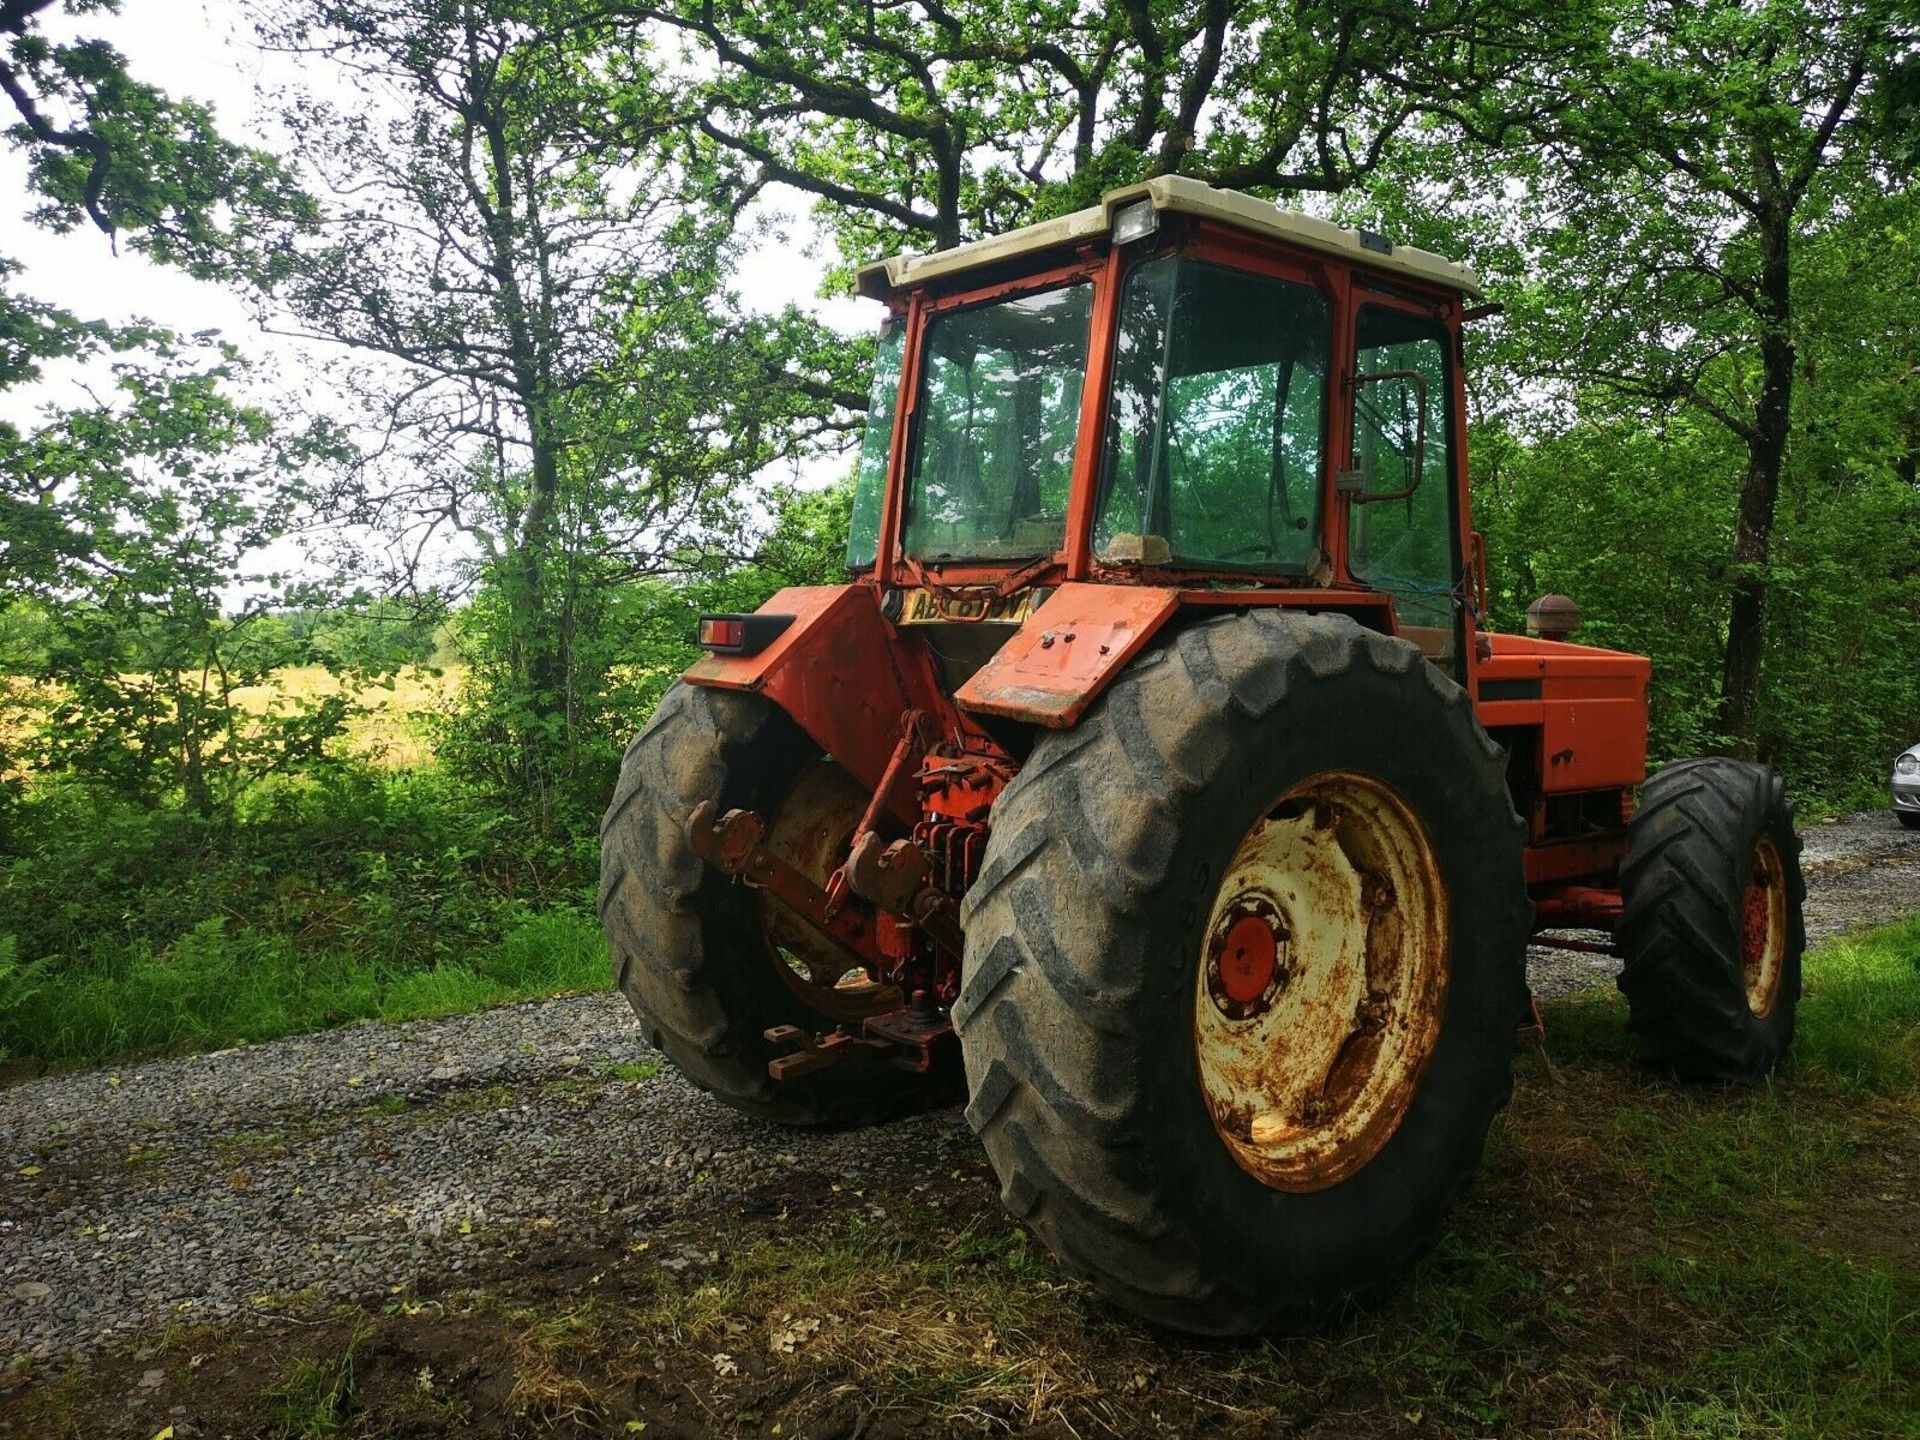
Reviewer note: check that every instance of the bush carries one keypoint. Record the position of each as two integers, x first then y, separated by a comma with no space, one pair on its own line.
320,900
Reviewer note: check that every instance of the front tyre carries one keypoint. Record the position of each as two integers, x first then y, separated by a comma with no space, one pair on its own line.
1244,966
1710,927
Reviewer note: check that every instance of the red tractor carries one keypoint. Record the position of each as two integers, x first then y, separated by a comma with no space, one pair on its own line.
1155,771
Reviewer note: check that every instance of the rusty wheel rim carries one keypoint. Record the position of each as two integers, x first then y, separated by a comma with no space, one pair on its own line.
1763,929
811,832
1323,971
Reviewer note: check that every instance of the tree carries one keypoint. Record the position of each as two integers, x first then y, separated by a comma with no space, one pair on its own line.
130,524
1697,151
561,386
105,149
927,121
115,520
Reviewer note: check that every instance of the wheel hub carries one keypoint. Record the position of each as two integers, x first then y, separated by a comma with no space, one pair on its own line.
1247,957
1763,928
810,832
1321,982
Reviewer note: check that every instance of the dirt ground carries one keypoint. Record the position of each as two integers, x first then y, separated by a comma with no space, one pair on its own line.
1635,1259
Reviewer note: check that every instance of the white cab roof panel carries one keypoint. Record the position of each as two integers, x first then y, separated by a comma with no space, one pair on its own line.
1180,195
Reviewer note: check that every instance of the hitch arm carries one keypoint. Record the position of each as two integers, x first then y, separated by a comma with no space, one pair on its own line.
734,844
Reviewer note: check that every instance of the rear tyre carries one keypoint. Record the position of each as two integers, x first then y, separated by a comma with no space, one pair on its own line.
1244,965
708,964
1711,930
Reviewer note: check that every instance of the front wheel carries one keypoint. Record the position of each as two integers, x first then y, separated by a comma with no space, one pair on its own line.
1244,965
1710,928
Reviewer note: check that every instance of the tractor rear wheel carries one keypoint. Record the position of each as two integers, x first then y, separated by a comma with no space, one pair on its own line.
709,964
1711,930
1244,966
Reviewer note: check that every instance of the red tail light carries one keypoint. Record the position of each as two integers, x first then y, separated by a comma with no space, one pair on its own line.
721,632
741,634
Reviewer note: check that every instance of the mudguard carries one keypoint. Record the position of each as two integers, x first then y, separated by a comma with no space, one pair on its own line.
1056,665
838,670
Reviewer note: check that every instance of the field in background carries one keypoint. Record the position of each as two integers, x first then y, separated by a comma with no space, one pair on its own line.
390,732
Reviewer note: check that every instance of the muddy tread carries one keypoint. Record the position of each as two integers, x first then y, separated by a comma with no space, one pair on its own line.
1682,885
1050,1032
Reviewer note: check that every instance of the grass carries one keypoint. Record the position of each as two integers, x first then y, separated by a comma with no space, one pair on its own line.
1858,1027
350,894
387,731
224,985
317,1397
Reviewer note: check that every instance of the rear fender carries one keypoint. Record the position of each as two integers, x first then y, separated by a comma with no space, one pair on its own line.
838,670
1056,665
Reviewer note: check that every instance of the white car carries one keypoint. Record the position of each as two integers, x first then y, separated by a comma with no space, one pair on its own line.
1906,788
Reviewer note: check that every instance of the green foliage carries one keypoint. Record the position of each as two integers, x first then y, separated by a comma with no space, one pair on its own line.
371,634
105,149
1631,523
628,643
318,901
936,123
131,522
1634,515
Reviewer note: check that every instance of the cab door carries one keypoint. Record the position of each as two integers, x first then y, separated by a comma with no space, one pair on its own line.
1399,485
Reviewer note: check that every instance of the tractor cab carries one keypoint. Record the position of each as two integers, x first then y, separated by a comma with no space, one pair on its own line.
1180,386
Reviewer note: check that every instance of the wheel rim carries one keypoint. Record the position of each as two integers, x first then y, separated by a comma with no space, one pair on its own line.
1763,928
811,832
1322,976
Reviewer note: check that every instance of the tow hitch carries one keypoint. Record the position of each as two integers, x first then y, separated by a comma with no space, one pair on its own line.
893,879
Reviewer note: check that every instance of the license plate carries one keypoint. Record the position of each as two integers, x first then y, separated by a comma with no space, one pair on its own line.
930,607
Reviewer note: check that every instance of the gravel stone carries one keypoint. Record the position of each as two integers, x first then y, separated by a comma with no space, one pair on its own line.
347,1163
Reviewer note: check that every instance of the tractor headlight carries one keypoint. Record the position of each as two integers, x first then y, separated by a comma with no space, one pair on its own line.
1907,765
1135,222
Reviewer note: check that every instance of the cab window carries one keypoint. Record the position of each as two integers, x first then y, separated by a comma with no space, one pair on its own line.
998,418
870,474
1213,446
1400,526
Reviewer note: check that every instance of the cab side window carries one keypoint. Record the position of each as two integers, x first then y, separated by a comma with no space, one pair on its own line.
1400,525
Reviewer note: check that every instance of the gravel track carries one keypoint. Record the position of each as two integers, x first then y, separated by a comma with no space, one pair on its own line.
241,1184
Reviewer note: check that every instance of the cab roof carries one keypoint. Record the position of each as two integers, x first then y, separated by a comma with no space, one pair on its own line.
1175,194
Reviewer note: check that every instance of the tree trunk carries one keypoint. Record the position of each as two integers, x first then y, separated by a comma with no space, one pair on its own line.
1760,491
949,155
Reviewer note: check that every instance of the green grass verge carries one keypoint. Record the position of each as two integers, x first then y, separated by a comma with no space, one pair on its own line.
222,984
319,900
